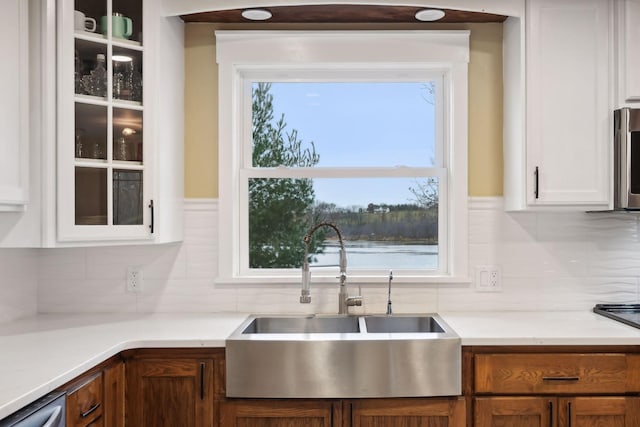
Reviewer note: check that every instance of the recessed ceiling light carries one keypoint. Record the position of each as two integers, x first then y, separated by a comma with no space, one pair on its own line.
428,15
256,14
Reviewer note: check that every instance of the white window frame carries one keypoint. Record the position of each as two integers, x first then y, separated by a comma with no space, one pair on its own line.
245,57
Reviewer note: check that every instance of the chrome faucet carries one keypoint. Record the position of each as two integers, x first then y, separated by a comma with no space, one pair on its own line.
344,300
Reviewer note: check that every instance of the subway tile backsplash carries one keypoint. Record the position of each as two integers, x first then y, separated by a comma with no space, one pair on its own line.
548,261
18,283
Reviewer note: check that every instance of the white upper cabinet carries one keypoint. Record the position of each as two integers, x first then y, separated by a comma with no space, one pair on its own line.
628,33
565,150
120,115
14,105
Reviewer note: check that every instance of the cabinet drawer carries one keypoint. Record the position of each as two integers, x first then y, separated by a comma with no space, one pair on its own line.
84,403
556,373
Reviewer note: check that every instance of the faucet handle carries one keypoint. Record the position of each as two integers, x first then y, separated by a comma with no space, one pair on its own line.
305,298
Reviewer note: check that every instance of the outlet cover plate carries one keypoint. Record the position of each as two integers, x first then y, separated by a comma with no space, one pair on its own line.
488,278
134,279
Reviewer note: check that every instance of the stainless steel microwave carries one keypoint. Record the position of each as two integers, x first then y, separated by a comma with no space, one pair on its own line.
626,168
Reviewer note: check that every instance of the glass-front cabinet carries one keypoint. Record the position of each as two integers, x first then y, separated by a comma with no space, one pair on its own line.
104,185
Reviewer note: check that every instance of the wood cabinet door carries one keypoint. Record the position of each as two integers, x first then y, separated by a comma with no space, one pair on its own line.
431,412
611,411
113,395
14,105
280,413
515,412
170,393
628,53
568,119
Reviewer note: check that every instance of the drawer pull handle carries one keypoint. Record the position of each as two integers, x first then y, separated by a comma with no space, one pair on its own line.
560,378
152,225
202,367
89,411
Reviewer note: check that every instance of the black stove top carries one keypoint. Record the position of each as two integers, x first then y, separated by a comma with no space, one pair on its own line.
625,313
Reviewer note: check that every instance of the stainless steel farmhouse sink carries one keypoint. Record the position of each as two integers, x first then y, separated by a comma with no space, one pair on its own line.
343,356
302,325
403,324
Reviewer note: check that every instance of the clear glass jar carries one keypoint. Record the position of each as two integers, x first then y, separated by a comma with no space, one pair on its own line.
120,152
99,77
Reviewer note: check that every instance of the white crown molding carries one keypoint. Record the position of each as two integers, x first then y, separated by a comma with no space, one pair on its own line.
184,7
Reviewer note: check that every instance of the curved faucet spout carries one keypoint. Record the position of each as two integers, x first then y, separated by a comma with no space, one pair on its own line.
343,297
343,254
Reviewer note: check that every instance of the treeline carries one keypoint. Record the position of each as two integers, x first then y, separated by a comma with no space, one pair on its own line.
405,223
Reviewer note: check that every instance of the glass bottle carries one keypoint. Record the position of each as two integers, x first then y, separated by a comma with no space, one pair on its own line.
98,152
122,80
120,152
99,77
128,80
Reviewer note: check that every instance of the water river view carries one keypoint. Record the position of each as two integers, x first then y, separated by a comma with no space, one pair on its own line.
380,255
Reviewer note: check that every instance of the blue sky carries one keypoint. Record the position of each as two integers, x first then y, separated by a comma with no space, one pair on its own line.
358,125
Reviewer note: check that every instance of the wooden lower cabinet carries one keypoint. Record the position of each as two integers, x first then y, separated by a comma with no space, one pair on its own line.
114,394
96,398
596,411
85,404
280,413
171,388
612,411
514,411
428,412
400,412
554,386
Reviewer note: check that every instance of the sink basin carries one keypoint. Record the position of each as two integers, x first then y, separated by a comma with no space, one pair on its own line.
343,357
402,324
302,325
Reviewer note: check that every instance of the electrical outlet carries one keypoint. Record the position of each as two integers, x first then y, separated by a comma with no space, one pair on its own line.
134,279
488,278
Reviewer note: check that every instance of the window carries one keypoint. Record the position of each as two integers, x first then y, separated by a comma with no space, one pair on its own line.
363,129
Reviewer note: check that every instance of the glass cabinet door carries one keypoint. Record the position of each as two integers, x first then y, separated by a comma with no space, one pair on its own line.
110,192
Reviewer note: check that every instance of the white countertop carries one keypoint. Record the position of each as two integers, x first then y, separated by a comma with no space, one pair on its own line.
540,328
41,353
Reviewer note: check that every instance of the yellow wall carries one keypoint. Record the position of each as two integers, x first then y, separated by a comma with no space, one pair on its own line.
201,113
485,105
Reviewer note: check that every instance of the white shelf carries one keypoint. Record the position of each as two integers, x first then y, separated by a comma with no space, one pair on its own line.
91,37
102,39
128,44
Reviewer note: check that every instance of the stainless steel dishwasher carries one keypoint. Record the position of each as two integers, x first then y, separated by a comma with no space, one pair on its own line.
48,411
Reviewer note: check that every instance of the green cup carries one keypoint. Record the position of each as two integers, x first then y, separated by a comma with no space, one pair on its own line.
121,26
